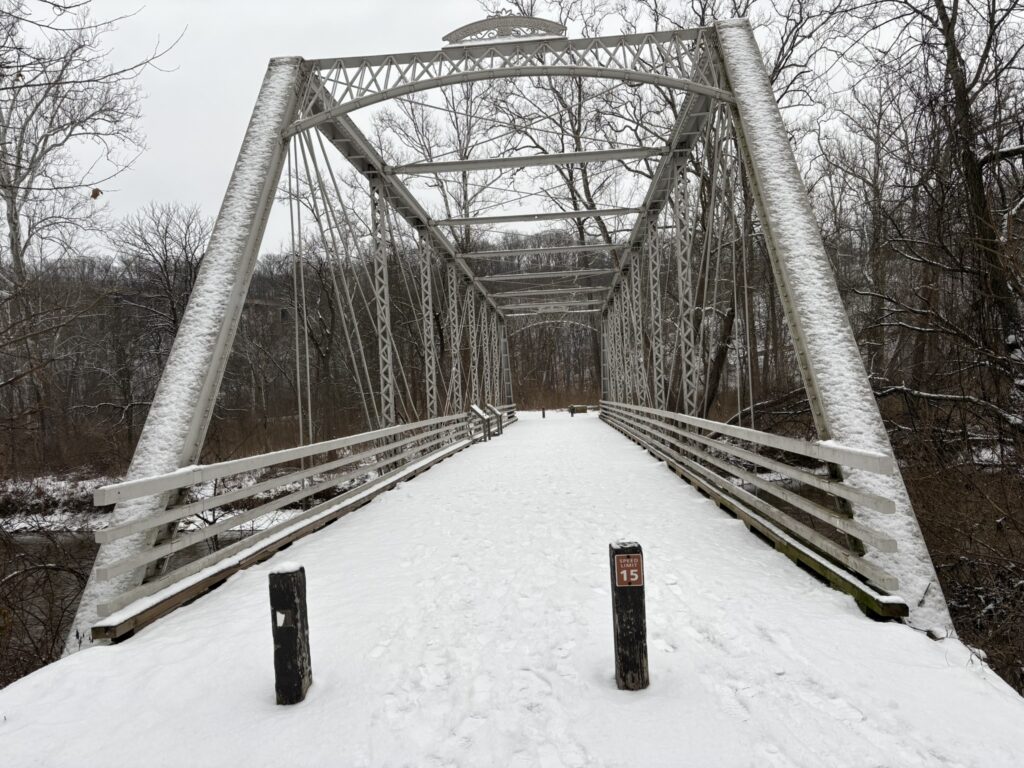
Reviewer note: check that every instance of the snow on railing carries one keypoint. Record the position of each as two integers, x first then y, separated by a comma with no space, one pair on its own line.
268,494
805,511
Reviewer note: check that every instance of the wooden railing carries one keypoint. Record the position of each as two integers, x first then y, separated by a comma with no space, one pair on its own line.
805,513
337,475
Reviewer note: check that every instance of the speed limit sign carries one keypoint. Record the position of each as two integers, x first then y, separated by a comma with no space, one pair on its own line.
629,570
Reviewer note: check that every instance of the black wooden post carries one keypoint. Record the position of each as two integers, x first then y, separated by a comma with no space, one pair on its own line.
293,672
629,615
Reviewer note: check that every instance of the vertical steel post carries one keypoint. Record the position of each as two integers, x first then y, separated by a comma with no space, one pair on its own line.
615,361
506,365
474,348
382,298
642,384
485,350
495,358
182,406
429,345
653,247
605,389
838,390
684,217
626,379
454,339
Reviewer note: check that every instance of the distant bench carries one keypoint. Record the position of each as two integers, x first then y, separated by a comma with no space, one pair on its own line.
583,408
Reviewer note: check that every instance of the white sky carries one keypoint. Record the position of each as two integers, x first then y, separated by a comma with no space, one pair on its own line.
195,116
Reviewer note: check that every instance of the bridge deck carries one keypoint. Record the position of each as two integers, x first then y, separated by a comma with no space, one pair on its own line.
463,619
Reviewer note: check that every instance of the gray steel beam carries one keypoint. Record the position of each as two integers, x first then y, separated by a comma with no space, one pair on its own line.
548,251
687,127
346,137
484,336
840,395
549,304
546,291
504,48
474,349
382,300
454,338
427,313
462,221
555,311
524,161
506,365
175,428
525,277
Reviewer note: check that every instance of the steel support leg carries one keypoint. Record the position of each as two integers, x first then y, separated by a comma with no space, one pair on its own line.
642,384
382,299
485,352
838,390
182,407
506,364
653,247
684,212
605,389
474,348
495,358
429,345
454,340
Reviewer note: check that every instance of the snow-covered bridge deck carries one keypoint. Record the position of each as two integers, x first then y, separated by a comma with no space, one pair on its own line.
464,619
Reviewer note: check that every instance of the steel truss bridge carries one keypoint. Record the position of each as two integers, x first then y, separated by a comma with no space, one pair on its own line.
661,278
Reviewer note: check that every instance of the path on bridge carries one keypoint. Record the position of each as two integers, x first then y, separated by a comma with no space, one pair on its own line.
463,619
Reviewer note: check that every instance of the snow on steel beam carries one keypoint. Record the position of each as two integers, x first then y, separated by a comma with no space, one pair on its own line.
531,313
526,217
529,276
179,416
547,291
547,251
504,48
523,161
595,304
842,401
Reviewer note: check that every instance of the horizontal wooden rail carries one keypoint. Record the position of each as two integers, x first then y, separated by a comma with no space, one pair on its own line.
208,503
209,531
369,464
828,516
716,467
135,608
180,478
827,451
808,535
831,487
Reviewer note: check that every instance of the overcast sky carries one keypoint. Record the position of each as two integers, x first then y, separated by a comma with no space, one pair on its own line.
195,115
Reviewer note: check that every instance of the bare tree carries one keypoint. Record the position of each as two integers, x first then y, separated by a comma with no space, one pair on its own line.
68,124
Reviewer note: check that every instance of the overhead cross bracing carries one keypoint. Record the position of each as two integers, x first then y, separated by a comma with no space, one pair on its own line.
670,60
639,186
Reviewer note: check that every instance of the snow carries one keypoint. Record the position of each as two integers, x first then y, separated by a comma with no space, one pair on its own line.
287,566
833,358
463,619
192,374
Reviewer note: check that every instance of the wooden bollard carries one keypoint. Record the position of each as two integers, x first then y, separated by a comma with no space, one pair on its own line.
629,615
293,672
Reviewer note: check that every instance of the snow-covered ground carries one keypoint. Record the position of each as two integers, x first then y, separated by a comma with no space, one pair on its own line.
463,619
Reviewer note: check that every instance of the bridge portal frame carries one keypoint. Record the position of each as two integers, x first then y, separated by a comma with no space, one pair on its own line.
713,68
